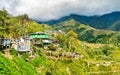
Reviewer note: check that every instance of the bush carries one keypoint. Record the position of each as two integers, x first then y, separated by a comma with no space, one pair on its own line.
25,55
23,67
13,52
52,47
38,61
7,67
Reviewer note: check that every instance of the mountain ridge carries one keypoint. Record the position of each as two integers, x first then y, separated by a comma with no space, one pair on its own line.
99,22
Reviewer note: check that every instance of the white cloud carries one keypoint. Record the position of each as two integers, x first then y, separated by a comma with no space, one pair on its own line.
53,9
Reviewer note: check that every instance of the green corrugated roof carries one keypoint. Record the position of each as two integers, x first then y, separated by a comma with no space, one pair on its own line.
39,35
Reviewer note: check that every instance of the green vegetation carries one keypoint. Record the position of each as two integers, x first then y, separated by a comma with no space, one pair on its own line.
82,50
89,34
15,66
115,26
18,26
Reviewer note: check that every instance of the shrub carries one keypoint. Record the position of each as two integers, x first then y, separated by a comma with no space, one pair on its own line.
25,55
13,52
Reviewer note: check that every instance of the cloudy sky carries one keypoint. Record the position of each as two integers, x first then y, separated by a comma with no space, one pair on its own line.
45,10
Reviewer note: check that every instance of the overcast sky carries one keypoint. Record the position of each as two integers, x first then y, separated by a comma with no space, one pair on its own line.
45,10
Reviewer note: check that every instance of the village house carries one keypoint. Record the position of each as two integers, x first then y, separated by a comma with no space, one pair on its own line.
22,45
40,37
5,43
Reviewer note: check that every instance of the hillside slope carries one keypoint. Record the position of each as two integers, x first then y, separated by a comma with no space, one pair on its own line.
15,66
17,26
115,26
89,34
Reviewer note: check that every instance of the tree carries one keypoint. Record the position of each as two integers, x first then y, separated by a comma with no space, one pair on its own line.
71,33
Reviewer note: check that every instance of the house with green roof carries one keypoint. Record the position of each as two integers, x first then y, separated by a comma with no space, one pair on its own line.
39,36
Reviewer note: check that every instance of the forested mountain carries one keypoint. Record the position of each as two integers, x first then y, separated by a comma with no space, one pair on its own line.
99,22
115,26
89,34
